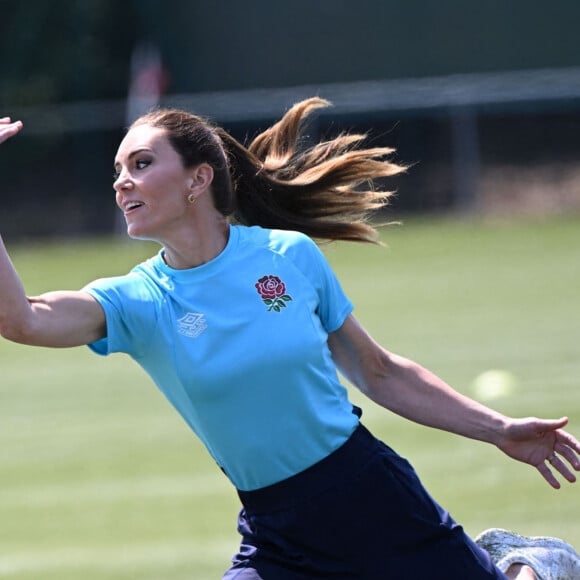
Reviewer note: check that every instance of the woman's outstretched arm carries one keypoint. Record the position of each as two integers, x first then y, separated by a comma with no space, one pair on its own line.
412,391
56,319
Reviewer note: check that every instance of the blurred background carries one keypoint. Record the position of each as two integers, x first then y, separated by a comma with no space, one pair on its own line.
482,99
99,478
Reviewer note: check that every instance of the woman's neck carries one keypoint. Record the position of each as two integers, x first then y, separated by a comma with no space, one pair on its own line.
197,247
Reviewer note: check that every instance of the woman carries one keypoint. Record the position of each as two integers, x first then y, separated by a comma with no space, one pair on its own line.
241,323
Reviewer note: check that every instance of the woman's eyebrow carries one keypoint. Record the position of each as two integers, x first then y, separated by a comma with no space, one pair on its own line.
133,153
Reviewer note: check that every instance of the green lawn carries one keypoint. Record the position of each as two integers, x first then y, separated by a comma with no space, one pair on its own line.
100,479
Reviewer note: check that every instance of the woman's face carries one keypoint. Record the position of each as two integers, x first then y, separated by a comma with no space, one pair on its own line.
151,184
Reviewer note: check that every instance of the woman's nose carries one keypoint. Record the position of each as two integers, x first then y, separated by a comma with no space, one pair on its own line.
122,182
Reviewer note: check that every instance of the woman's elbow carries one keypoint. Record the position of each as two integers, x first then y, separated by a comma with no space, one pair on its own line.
16,331
375,375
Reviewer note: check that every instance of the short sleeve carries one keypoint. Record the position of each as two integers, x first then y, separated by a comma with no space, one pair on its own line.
334,306
129,313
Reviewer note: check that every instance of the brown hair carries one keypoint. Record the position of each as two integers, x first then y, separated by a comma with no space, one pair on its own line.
325,191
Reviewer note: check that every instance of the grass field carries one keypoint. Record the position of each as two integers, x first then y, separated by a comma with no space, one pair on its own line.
99,479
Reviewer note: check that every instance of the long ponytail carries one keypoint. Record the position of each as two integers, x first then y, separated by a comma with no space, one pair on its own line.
325,191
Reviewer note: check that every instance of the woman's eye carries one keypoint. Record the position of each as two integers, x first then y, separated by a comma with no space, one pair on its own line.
142,163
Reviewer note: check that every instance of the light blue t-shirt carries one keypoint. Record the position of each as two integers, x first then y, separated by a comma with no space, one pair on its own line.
239,347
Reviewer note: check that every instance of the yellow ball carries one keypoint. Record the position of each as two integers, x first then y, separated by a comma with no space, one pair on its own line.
494,384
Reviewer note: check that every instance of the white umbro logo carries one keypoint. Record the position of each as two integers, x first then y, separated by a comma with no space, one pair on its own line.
192,324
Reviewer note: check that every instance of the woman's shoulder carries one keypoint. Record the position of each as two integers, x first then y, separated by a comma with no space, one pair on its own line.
280,241
293,247
135,282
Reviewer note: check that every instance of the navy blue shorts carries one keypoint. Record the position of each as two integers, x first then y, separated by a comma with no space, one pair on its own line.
359,514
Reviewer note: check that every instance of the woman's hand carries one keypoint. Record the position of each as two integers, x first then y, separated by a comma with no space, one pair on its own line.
8,128
543,444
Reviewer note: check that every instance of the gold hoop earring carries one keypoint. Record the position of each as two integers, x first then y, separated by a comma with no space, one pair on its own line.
191,198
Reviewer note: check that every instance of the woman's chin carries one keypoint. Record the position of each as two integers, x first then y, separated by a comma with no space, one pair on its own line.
136,233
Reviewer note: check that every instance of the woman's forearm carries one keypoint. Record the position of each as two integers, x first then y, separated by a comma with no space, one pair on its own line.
408,389
412,391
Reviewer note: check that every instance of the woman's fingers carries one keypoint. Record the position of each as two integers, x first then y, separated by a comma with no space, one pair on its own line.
8,129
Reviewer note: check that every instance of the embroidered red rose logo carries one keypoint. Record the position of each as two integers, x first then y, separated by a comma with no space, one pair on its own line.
273,292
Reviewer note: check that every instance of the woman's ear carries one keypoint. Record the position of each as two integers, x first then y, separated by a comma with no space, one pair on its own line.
201,178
